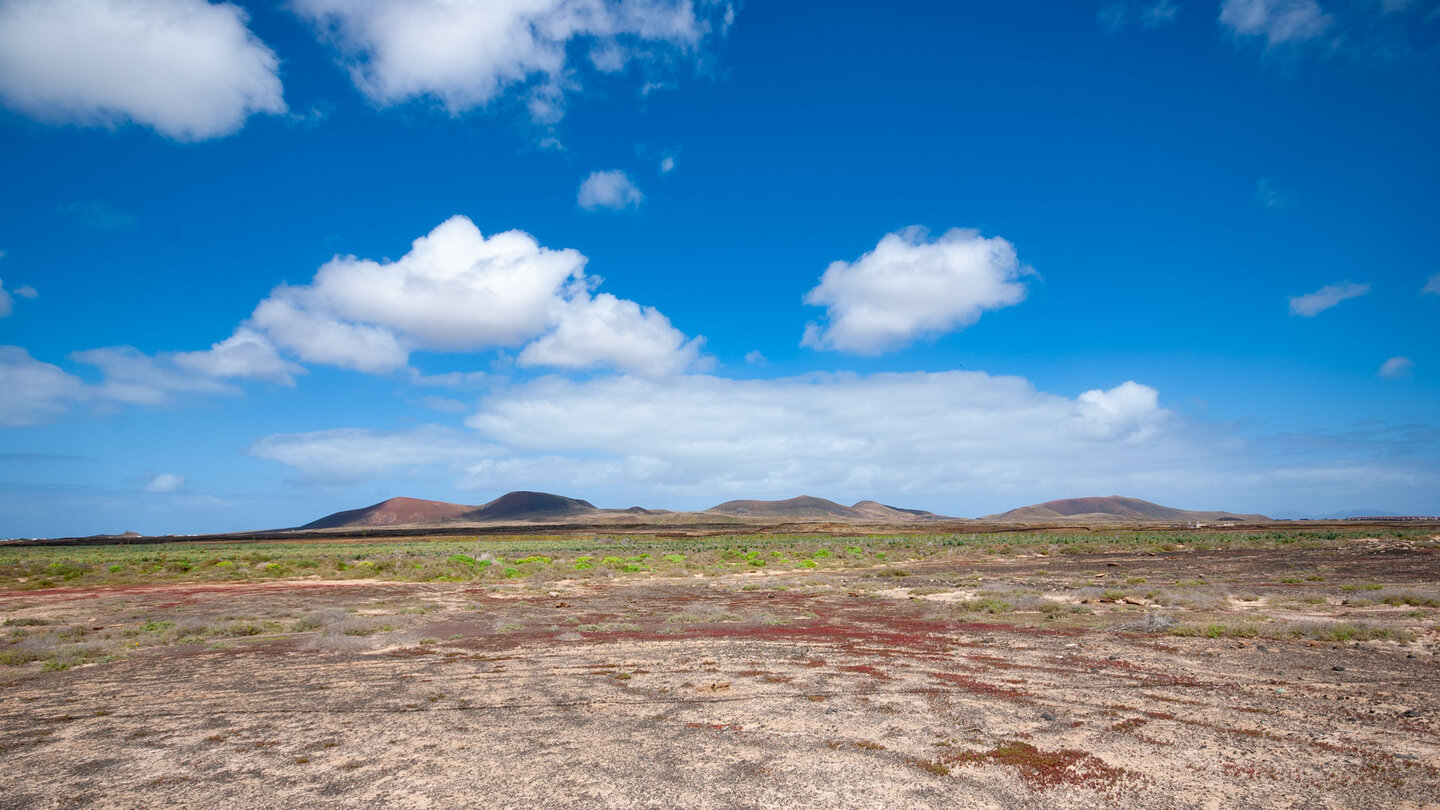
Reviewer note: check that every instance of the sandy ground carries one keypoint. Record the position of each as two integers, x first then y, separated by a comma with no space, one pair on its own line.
834,692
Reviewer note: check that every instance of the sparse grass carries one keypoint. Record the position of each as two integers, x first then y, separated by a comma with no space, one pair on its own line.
1042,770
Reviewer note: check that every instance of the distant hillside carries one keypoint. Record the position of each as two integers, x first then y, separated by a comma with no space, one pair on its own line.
394,512
1114,509
806,506
879,511
521,505
416,512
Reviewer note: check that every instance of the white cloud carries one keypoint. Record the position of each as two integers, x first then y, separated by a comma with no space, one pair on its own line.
610,189
1312,304
610,331
457,290
963,442
7,303
466,53
165,483
247,354
1279,21
667,164
452,379
756,358
189,69
135,378
444,404
352,454
32,392
909,287
706,436
1432,287
1396,368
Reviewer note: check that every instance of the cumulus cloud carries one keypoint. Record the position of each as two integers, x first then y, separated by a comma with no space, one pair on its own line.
705,436
610,331
1312,304
247,354
910,286
165,483
32,392
135,378
667,164
1278,21
966,442
458,290
1396,368
7,302
610,189
351,454
466,53
189,69
1432,287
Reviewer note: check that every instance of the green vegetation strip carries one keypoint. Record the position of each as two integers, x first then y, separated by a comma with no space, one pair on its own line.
548,558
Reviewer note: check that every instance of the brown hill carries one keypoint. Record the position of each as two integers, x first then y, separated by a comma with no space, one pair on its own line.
879,511
1115,509
804,506
394,512
522,505
416,512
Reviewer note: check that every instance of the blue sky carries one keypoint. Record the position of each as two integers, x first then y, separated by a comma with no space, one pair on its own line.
961,257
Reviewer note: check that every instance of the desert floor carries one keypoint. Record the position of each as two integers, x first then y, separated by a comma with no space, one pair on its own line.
1231,678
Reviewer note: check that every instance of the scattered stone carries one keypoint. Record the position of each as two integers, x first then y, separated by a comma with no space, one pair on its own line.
1410,713
1338,669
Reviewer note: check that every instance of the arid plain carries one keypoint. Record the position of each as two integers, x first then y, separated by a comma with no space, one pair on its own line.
1067,667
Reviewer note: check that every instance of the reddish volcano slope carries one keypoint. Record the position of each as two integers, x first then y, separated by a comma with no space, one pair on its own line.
520,505
394,512
1115,507
804,506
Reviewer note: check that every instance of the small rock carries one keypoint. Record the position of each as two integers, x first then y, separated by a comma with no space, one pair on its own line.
1046,716
1338,669
1112,565
1410,713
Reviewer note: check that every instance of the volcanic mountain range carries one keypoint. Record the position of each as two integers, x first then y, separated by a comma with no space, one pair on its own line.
524,507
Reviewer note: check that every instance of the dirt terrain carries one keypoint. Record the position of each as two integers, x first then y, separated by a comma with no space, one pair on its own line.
865,687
